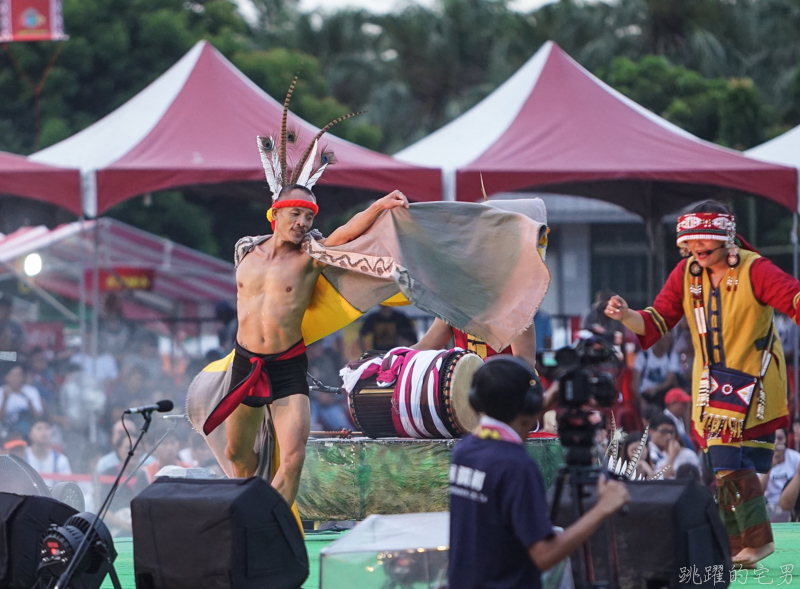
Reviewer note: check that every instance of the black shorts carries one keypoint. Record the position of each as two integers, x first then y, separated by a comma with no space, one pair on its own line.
286,377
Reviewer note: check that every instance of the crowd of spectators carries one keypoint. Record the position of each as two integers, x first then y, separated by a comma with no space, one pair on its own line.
60,409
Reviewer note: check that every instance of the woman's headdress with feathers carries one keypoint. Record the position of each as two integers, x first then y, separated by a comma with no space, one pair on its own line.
276,158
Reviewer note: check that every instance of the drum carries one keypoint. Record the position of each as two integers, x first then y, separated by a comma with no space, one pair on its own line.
430,398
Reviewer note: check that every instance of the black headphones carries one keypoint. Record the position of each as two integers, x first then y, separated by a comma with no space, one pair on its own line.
532,398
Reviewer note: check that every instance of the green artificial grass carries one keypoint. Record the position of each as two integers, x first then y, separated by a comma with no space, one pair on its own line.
124,563
785,559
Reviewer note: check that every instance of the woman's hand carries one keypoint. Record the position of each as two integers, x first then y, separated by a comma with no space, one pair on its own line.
617,308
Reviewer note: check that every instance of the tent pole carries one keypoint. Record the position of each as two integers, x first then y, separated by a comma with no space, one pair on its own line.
449,185
95,321
82,293
650,229
795,335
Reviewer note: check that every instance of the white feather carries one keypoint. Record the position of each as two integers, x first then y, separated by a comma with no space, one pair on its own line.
305,173
315,177
276,164
268,169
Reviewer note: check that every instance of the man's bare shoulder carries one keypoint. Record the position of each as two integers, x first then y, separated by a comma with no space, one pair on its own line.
246,245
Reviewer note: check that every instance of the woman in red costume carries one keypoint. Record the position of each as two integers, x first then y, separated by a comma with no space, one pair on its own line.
728,296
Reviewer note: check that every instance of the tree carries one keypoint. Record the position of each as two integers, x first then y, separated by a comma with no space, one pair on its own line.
728,111
116,48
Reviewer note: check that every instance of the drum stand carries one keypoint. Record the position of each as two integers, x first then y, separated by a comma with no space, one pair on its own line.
579,477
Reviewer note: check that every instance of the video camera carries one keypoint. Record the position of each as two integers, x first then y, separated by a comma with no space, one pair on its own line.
585,372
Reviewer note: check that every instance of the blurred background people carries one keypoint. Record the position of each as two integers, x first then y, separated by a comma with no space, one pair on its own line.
655,371
386,329
20,403
43,456
666,448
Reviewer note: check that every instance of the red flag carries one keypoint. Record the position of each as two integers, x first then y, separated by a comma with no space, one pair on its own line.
31,20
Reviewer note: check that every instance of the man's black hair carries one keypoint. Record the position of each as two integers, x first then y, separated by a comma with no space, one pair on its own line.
688,471
501,384
711,206
650,412
289,187
661,419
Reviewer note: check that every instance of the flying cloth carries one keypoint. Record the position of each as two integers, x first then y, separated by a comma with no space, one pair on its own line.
478,267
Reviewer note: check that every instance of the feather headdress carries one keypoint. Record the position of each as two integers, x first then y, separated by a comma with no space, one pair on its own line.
280,167
621,467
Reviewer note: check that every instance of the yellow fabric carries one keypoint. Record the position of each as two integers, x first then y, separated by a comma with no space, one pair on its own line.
221,365
744,322
329,311
398,300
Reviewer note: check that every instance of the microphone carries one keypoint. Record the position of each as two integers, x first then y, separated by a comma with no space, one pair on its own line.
323,389
161,407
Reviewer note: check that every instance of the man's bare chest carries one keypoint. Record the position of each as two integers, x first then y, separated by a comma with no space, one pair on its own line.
291,274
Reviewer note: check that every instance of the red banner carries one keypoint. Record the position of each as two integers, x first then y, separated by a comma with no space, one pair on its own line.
31,20
45,334
122,278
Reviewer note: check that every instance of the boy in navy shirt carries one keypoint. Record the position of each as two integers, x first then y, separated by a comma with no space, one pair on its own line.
501,535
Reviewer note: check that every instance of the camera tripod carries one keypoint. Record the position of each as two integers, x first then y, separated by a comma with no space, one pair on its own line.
578,477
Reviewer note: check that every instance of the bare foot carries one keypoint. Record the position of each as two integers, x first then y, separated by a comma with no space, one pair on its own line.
750,556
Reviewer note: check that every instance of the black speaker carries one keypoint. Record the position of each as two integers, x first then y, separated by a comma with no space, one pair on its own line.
23,522
671,529
219,534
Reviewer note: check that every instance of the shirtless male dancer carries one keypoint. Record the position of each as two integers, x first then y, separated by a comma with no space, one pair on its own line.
275,282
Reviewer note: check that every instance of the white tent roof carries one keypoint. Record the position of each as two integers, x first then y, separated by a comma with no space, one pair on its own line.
784,149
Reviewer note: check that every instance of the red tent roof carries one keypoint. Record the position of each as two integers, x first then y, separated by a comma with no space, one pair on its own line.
197,124
555,126
22,177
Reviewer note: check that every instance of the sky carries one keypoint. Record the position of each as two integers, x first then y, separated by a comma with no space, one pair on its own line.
377,6
387,5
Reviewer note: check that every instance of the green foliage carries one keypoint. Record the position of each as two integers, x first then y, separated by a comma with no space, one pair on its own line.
728,111
170,215
116,48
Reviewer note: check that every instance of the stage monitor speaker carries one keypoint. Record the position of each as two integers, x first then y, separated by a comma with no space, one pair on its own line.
23,522
672,528
220,534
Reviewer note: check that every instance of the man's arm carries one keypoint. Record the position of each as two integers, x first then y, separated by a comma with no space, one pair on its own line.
788,498
436,338
365,219
611,495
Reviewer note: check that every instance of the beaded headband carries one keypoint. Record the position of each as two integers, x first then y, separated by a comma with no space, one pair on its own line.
712,226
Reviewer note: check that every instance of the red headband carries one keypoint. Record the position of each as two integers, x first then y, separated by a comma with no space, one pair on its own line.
299,203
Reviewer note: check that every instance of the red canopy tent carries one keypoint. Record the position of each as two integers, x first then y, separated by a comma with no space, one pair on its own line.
58,186
197,125
178,279
555,127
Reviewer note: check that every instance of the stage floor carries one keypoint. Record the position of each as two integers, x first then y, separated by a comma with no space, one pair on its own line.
786,557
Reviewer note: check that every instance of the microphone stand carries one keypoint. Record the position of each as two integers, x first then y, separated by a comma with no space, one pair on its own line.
66,576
